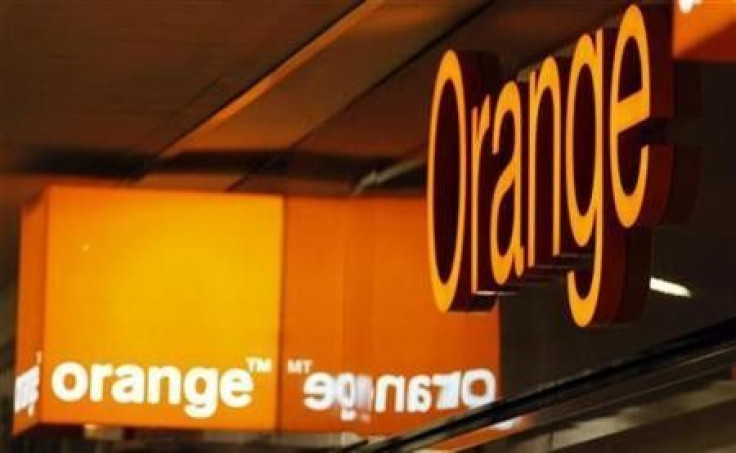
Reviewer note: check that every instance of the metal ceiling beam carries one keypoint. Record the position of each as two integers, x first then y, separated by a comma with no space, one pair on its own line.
281,72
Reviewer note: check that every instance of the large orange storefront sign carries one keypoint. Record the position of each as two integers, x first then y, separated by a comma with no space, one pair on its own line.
555,175
211,311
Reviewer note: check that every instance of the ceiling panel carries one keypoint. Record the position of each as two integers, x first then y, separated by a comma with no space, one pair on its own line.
392,119
115,74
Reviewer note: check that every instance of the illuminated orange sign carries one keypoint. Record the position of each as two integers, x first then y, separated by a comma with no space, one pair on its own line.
213,311
143,308
554,175
366,350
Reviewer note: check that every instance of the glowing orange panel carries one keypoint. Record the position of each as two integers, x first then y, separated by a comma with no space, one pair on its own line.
143,308
164,309
364,347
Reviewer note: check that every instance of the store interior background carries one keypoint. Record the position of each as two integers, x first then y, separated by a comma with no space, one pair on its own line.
333,99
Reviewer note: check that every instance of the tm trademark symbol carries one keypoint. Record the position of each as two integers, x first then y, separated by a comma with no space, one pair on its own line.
298,366
259,365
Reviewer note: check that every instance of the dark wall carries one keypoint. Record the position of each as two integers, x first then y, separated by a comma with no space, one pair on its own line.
539,339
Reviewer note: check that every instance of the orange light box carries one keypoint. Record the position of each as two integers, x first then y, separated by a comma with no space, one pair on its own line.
218,311
142,308
364,347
